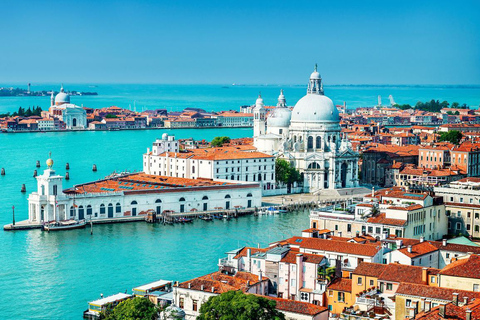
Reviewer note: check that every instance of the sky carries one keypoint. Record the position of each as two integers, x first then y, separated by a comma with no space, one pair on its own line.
243,42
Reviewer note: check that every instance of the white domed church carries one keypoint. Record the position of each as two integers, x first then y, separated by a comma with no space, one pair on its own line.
308,136
75,117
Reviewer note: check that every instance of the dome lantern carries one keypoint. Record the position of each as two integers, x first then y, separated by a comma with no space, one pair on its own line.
315,85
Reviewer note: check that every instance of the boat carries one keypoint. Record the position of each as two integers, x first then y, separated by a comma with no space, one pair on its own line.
64,225
206,218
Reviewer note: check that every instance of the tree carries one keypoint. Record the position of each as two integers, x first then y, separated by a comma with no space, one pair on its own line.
285,172
453,136
235,305
111,116
220,141
326,273
137,308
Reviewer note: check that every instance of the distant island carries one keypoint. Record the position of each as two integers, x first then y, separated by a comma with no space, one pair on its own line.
19,92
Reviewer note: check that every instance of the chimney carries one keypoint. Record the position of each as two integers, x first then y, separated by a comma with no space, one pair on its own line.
465,300
468,314
202,287
428,305
441,310
455,299
444,242
411,312
373,192
425,275
339,233
248,264
422,239
189,285
248,283
213,289
260,278
409,249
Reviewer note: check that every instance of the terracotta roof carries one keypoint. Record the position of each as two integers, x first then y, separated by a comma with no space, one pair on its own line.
222,282
297,306
426,291
341,284
419,249
465,268
452,312
334,246
291,257
393,272
406,208
456,247
142,182
228,153
381,219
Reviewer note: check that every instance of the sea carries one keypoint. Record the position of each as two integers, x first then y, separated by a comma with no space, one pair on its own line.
54,275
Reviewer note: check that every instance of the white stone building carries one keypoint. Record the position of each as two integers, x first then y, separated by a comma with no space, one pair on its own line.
309,137
134,194
227,163
75,117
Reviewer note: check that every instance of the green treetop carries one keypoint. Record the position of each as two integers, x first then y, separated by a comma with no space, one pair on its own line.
235,305
220,141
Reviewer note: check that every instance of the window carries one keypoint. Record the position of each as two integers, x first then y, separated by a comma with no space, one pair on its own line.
389,286
102,209
181,303
476,287
359,281
341,297
432,279
371,283
195,305
458,226
55,190
408,302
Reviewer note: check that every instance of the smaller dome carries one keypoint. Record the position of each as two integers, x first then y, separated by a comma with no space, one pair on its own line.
315,75
259,102
49,163
280,117
62,97
165,136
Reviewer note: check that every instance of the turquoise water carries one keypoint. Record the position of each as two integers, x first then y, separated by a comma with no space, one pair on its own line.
219,97
52,276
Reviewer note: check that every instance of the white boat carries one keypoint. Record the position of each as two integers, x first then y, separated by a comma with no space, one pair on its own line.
64,225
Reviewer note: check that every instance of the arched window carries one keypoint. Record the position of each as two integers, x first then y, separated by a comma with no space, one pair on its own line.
319,142
249,201
314,165
102,209
43,190
232,177
158,201
310,142
182,205
118,207
134,202
72,211
81,213
227,196
227,202
182,199
89,210
193,169
249,195
205,198
334,138
294,138
259,177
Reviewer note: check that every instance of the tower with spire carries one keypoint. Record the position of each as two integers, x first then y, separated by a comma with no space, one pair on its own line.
315,85
282,102
259,114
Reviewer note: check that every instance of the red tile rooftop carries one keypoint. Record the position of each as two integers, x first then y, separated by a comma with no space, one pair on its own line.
418,249
297,306
222,282
142,182
334,246
426,291
394,272
227,153
341,284
465,268
452,312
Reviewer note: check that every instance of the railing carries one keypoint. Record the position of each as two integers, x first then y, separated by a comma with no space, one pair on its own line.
226,263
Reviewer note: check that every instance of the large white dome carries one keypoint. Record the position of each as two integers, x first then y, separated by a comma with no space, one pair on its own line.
62,97
315,108
280,117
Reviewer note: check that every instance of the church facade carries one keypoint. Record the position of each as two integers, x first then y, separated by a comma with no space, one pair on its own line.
75,117
309,137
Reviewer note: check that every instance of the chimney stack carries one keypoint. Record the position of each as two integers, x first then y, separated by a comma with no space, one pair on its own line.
409,249
422,239
202,287
444,242
428,305
260,278
441,310
248,283
425,275
455,299
468,314
213,289
189,285
465,300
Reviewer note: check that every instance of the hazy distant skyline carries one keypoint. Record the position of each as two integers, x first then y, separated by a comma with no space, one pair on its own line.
248,42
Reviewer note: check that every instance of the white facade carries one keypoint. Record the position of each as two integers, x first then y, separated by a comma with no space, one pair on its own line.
213,163
75,117
309,137
50,203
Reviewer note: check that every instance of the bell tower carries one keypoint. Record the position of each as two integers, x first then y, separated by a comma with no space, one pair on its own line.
259,114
